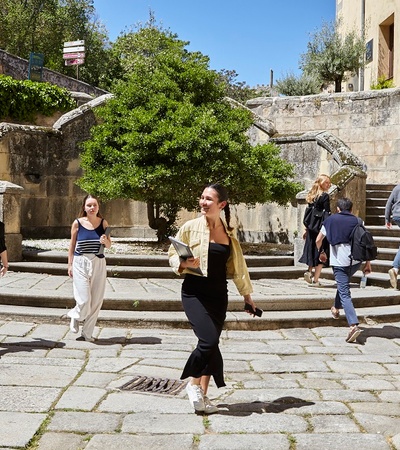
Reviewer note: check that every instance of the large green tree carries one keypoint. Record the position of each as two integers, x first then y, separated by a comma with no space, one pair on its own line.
42,26
332,54
168,131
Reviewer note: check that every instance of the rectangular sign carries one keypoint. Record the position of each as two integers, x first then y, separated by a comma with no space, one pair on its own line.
35,66
74,55
74,62
73,43
73,49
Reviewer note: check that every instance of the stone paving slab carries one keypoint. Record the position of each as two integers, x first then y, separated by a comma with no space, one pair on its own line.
278,396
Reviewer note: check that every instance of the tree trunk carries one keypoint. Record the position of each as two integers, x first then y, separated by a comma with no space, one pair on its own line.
338,84
155,221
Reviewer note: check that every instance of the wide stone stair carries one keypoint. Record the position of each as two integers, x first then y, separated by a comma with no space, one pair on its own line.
142,291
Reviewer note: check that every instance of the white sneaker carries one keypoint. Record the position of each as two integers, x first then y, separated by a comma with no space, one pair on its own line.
308,277
209,408
196,396
393,278
74,325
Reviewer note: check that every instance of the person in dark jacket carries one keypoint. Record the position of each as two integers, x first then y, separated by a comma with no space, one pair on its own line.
392,212
337,230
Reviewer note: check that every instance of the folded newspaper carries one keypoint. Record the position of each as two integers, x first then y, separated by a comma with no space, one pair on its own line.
184,252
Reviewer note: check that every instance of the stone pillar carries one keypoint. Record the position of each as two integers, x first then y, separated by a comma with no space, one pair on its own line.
10,214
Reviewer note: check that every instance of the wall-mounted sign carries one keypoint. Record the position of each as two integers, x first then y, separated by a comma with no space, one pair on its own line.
35,66
369,51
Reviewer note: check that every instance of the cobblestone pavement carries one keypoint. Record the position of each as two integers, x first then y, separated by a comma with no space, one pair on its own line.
289,389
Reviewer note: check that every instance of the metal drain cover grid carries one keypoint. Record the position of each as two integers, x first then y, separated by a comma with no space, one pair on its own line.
154,385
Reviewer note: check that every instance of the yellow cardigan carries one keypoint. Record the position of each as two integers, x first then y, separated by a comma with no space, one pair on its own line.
196,234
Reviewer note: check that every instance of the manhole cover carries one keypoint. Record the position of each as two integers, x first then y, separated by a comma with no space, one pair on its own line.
155,385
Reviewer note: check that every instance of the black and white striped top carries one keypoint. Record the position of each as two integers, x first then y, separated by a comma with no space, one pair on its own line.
88,241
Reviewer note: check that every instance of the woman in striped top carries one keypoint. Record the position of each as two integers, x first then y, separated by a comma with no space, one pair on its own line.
87,266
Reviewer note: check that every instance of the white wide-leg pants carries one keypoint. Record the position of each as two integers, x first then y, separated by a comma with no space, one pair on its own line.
89,275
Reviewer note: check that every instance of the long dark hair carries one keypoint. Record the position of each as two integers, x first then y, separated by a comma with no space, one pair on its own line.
82,212
222,194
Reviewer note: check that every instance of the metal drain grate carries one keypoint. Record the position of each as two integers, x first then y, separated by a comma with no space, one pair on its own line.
154,385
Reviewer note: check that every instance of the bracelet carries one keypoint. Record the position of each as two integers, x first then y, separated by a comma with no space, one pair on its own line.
6,267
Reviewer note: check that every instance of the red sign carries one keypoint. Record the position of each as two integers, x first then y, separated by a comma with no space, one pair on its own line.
78,55
74,62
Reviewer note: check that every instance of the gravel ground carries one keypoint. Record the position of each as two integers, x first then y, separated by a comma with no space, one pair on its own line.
119,246
130,247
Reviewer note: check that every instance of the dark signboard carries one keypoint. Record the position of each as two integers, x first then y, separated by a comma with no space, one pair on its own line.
35,66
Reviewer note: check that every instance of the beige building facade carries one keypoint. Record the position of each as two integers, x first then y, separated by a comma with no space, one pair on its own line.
380,20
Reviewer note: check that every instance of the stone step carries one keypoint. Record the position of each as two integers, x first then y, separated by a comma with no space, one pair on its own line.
151,272
271,320
380,187
160,294
57,257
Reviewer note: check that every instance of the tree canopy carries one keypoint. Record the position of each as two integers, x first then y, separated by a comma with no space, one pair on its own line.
168,131
330,54
42,26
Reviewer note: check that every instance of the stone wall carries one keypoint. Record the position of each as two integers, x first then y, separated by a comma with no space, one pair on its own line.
45,162
368,122
17,68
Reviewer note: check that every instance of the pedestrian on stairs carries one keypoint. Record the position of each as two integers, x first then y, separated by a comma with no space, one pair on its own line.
87,266
3,252
337,230
318,196
218,254
392,214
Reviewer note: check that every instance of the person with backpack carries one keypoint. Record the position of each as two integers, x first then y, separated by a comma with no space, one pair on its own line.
338,230
392,211
318,208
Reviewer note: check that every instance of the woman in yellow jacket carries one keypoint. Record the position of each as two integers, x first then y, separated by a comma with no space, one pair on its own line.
218,254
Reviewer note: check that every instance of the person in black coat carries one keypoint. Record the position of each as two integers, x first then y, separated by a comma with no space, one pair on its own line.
318,195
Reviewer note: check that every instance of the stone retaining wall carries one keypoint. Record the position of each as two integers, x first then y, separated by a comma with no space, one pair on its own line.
17,68
368,122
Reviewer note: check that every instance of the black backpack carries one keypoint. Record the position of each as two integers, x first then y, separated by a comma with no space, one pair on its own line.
362,244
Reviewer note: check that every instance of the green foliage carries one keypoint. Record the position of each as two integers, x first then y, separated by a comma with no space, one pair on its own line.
303,84
383,83
330,55
167,132
42,26
239,90
21,100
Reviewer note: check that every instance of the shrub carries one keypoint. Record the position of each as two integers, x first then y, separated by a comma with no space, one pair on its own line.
382,83
21,100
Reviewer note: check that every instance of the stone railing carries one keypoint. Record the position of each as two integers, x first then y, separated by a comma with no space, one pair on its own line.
347,173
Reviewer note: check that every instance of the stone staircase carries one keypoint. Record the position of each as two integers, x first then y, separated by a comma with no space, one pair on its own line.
280,290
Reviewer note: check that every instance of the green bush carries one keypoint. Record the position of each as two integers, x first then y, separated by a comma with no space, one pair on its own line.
382,83
21,100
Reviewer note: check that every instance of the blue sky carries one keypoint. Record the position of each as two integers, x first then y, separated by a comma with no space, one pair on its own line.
250,37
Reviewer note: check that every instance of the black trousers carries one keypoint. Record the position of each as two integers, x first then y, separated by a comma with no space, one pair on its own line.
206,317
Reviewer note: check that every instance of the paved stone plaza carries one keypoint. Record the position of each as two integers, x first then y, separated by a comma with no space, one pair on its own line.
289,389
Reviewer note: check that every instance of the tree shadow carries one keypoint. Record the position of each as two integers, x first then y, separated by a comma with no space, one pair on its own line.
24,346
386,332
143,340
277,406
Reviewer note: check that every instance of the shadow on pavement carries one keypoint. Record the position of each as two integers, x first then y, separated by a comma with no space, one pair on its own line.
279,405
26,346
145,340
386,332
